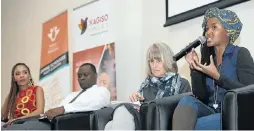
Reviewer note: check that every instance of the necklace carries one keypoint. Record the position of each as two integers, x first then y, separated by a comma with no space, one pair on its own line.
215,105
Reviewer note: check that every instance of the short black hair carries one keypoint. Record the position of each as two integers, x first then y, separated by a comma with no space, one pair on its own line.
93,68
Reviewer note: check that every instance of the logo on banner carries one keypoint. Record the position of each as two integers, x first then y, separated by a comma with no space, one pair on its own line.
95,25
83,25
53,33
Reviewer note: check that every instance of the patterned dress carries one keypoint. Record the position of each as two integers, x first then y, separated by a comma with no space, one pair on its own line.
26,101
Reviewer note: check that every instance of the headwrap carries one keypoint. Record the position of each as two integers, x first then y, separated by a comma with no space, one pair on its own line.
229,19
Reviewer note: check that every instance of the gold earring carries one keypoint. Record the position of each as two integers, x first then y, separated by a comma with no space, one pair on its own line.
30,83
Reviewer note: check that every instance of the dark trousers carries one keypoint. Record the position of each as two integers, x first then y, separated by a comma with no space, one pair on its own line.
31,123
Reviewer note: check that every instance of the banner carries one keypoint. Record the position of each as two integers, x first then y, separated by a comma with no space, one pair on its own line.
94,36
54,66
103,57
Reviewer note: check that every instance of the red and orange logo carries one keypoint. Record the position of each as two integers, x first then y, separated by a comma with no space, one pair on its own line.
83,25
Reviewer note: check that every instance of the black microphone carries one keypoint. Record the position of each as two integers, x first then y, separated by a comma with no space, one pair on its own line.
194,44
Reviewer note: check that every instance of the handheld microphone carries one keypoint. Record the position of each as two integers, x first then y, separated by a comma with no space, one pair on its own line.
194,44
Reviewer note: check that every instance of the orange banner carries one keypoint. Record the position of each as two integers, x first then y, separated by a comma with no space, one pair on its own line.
54,39
92,55
103,57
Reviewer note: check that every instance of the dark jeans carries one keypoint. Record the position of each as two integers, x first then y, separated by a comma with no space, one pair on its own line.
208,119
31,123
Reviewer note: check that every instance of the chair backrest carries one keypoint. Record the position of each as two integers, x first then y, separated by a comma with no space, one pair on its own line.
185,86
238,109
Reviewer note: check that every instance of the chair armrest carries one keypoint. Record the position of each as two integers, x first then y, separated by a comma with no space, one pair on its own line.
237,109
100,118
92,120
158,114
72,121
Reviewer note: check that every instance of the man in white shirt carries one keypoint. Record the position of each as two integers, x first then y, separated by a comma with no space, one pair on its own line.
91,97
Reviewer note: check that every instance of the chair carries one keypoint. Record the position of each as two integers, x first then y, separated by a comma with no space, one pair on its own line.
237,111
92,120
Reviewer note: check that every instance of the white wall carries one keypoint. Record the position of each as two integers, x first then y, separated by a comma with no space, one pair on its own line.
128,46
139,24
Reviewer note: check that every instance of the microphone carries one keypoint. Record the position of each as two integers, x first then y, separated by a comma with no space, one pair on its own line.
194,44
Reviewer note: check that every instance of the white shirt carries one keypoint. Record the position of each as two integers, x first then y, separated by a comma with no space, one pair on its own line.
94,98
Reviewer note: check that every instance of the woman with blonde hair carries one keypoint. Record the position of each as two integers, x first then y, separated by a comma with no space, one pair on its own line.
162,80
162,75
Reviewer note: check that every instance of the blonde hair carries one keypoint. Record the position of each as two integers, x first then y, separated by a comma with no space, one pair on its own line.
162,52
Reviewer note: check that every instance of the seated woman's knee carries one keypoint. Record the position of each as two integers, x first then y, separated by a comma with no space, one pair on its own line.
187,100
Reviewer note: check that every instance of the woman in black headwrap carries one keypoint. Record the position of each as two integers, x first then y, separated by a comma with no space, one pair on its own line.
223,66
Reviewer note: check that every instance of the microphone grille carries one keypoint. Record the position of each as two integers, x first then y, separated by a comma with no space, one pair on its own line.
202,39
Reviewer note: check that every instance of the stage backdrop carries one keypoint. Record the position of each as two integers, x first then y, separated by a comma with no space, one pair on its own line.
95,42
54,67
